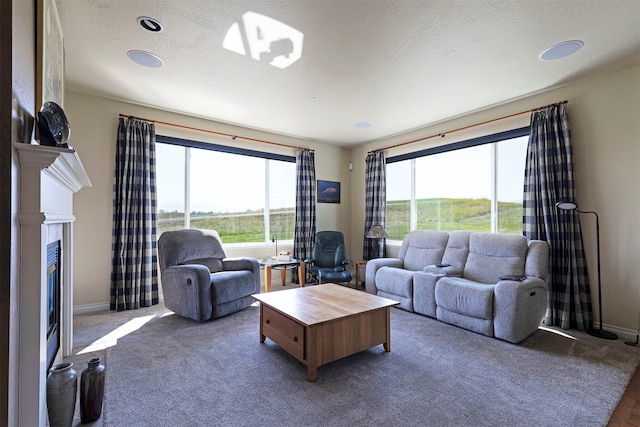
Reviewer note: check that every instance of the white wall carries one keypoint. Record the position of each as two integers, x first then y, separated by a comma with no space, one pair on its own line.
604,114
94,123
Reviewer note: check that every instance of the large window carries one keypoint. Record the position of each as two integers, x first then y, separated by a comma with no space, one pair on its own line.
474,185
246,196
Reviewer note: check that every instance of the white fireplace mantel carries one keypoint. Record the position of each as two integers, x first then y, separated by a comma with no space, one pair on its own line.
49,176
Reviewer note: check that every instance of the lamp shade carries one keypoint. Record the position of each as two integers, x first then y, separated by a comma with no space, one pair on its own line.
377,232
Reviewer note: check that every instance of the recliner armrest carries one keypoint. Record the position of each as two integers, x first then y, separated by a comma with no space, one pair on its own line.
187,290
244,263
180,274
241,263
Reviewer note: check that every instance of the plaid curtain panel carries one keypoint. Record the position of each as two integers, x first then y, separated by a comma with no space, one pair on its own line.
305,227
376,201
134,275
549,179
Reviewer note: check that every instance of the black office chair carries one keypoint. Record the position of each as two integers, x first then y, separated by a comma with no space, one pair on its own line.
328,262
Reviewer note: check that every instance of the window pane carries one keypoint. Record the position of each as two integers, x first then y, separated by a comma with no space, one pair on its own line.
511,161
226,192
453,190
282,199
170,175
227,195
398,222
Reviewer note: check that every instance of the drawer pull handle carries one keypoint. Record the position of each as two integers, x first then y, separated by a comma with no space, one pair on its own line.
295,339
267,321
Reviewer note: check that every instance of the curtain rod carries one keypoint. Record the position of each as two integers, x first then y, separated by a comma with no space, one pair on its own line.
443,134
234,137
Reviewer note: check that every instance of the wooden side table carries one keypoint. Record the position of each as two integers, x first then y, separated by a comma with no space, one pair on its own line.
283,266
361,266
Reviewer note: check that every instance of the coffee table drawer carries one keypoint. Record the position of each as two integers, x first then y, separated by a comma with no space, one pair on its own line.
284,331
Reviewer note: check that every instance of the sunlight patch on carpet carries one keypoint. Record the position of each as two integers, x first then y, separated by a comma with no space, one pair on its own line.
111,338
554,331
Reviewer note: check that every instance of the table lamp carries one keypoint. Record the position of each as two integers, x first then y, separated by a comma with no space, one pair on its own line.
378,232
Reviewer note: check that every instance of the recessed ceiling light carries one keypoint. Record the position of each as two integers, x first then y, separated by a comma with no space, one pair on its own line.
561,50
150,24
363,125
145,58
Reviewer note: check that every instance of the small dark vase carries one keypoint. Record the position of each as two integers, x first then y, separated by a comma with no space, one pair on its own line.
91,391
62,387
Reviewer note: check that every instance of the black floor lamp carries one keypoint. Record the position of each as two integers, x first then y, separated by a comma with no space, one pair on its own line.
600,333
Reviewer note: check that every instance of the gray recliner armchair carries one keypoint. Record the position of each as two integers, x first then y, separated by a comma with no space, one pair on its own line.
199,281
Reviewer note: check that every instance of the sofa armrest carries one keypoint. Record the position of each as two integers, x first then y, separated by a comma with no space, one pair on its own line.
187,290
244,263
537,262
449,270
424,292
372,268
519,307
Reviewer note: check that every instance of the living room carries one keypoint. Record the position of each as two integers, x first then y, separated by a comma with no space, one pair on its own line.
603,106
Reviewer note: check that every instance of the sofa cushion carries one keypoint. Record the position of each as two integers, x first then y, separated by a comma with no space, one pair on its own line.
395,281
492,255
213,264
175,247
423,247
537,259
396,284
465,297
231,285
475,324
457,249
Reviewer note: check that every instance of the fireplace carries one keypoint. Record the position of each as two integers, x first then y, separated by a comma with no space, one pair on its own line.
54,293
49,176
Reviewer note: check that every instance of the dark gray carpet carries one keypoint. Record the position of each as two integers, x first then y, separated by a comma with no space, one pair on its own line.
177,372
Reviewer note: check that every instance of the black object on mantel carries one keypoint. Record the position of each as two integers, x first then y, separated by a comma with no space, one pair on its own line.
53,125
91,391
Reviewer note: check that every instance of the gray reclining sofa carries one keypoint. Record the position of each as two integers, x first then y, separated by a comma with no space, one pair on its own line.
490,283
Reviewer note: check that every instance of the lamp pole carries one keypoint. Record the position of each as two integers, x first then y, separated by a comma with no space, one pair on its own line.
600,333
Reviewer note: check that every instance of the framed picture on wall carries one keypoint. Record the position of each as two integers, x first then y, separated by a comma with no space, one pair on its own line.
328,192
50,55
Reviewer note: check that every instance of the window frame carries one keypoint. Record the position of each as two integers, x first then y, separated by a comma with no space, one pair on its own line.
469,143
188,144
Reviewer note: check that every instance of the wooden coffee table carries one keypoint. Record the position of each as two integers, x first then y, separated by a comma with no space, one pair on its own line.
323,323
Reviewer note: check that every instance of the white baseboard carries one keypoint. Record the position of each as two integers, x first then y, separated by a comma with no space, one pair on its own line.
101,306
91,308
623,333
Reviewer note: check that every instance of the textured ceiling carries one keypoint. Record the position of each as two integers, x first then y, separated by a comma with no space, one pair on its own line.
397,65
